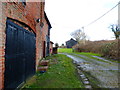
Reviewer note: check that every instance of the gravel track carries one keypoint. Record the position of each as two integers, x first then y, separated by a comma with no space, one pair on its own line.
104,70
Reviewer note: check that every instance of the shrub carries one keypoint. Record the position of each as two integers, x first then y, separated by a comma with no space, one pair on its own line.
107,48
110,50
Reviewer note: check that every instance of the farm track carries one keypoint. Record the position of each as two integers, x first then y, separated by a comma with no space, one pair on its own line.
105,71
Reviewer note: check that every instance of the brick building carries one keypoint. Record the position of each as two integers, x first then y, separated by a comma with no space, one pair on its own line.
24,40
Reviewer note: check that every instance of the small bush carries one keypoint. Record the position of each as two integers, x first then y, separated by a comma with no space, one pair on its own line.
110,50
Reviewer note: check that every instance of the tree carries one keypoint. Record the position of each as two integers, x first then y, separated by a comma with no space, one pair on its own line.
63,45
79,35
116,30
56,45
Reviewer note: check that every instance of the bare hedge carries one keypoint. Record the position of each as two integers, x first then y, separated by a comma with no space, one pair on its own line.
107,48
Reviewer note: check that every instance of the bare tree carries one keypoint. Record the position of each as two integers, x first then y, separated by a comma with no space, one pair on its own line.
63,45
79,35
56,45
116,30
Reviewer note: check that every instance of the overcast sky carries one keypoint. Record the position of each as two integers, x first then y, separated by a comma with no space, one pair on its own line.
67,16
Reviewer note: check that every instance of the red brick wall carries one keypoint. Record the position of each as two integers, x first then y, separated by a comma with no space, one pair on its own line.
44,30
28,15
2,46
39,34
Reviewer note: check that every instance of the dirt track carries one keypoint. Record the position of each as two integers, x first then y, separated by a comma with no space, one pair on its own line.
105,71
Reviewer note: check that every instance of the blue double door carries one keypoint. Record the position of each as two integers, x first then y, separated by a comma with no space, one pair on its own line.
19,55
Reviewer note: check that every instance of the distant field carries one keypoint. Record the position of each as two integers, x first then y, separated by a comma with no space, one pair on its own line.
69,50
65,50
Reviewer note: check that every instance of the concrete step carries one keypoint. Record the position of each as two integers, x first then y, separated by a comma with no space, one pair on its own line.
44,62
42,68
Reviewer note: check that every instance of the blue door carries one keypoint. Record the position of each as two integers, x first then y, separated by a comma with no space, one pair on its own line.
19,55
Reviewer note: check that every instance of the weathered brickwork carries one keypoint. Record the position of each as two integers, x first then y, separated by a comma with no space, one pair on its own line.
44,30
2,47
27,14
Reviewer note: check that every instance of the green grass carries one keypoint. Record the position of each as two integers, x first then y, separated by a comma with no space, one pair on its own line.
65,50
69,50
61,74
88,54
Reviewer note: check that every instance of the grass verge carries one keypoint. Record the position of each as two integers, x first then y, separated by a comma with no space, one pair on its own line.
69,50
88,54
65,50
61,74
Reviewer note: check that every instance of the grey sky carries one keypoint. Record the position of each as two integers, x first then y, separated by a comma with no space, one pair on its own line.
69,15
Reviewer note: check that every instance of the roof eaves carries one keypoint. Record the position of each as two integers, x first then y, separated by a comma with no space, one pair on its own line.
47,20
